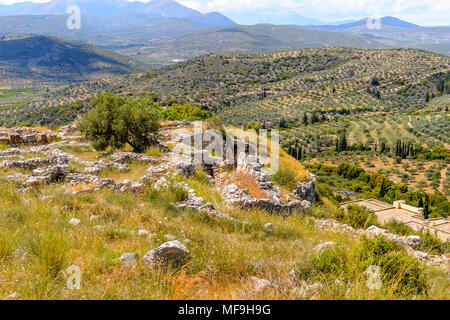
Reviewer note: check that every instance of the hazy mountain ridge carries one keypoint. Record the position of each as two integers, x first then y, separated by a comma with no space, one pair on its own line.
105,8
398,33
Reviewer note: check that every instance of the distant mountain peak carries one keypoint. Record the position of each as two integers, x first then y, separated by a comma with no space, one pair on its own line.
102,8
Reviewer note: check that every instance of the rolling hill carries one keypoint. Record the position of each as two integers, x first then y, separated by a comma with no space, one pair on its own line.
269,88
34,61
244,39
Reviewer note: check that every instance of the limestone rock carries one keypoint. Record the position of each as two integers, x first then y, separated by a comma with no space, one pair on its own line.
268,227
307,190
129,259
170,254
259,285
74,222
414,241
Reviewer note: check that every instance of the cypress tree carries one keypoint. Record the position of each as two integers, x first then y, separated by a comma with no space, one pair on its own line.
426,208
421,203
305,118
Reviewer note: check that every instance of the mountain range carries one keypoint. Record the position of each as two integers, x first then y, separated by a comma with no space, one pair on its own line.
162,32
397,33
105,8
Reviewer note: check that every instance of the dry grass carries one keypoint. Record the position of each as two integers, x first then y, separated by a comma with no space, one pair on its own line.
37,244
137,171
246,181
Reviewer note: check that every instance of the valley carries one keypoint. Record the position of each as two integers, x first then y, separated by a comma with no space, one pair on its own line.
161,152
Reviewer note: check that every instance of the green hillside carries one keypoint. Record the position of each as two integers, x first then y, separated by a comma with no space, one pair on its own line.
35,61
244,39
271,88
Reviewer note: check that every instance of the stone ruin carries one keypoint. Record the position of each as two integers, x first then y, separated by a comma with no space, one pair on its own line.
57,161
25,136
305,194
252,166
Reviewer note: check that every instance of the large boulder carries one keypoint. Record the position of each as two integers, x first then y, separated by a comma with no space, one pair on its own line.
307,191
172,254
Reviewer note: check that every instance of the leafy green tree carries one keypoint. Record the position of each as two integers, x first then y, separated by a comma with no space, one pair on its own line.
115,121
253,125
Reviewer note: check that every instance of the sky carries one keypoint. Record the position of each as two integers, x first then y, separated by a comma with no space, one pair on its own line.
423,12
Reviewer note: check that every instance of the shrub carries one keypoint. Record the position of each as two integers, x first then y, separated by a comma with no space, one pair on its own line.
51,249
184,112
116,121
403,273
399,271
399,228
432,244
167,195
359,217
285,178
443,209
373,249
331,263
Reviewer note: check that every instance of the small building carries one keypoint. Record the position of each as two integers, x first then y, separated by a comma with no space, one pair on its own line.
407,214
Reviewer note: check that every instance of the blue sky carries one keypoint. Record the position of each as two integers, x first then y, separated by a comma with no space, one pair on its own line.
423,12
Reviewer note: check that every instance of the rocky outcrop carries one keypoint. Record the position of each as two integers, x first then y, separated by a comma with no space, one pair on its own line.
193,202
307,190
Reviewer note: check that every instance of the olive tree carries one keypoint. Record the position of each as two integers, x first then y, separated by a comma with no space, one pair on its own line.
115,121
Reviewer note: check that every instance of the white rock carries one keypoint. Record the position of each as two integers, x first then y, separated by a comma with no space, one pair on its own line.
376,231
129,259
231,188
268,227
260,285
414,241
170,254
74,222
